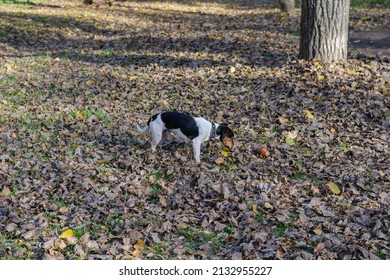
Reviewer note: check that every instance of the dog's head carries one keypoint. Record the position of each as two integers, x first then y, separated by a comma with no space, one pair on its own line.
225,135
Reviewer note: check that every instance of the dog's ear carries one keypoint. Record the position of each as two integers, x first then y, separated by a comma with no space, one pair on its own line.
224,131
226,135
221,129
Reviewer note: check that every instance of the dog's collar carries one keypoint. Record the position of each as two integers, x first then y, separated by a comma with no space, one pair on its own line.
213,131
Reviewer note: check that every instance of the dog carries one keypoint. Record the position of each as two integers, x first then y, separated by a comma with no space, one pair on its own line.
186,128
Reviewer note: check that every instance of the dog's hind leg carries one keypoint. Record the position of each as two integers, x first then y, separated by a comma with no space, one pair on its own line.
157,133
180,137
165,139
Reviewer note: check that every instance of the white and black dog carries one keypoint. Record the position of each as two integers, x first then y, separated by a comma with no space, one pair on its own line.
186,128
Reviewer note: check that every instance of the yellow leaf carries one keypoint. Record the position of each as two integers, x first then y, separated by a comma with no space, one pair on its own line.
139,248
308,114
292,134
267,205
67,233
320,77
224,153
282,120
333,188
163,103
290,137
89,82
254,208
139,245
80,114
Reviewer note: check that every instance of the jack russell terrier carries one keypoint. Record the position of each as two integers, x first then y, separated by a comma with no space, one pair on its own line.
186,128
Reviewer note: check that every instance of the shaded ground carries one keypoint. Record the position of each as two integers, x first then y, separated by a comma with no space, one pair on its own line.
373,42
78,183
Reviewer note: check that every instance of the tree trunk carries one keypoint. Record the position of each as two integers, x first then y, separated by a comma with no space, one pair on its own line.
324,30
287,6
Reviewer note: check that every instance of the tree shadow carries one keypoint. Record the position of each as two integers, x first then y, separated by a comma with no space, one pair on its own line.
220,36
231,3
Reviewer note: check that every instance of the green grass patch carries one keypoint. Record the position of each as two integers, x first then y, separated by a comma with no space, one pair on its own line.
381,255
113,223
159,249
280,230
260,217
79,232
194,238
88,112
262,139
303,176
59,203
155,189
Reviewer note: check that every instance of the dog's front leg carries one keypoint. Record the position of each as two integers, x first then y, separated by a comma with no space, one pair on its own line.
196,145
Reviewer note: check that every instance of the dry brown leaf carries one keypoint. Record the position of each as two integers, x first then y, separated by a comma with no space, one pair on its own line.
263,151
318,229
319,248
5,191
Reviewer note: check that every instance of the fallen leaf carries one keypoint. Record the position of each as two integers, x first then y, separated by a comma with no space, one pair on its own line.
319,248
290,137
224,153
5,192
11,227
29,234
268,205
254,208
80,114
282,120
139,248
163,200
320,77
318,229
219,161
333,187
63,209
308,114
315,189
263,151
66,233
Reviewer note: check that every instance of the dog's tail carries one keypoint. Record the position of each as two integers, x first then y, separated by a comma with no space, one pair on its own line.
142,130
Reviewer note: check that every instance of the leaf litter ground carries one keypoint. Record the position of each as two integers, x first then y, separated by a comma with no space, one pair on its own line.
308,178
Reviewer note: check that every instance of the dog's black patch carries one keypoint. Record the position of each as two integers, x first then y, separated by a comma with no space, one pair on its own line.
186,123
224,131
152,118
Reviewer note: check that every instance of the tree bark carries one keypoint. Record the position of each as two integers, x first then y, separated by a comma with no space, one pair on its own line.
324,30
